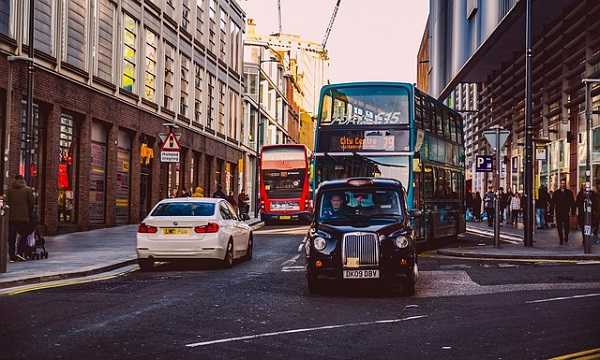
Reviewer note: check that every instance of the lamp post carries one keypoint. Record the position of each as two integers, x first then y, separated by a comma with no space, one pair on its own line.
258,128
587,225
529,128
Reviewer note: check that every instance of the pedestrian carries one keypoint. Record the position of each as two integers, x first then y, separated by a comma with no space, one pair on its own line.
515,209
231,200
219,193
477,207
564,205
243,205
488,203
502,204
580,203
540,207
198,192
19,199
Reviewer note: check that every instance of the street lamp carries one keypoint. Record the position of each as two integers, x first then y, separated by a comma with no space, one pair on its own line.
587,227
258,128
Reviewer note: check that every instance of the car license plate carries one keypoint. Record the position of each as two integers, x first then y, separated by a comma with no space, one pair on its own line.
176,231
361,274
285,217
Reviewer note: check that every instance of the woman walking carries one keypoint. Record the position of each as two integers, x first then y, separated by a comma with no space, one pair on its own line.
515,208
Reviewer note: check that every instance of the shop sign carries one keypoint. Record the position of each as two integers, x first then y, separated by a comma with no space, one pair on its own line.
540,153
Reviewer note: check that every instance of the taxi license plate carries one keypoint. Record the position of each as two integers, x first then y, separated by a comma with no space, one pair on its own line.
361,274
285,217
176,231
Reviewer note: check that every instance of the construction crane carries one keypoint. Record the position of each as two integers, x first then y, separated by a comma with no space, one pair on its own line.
330,26
279,14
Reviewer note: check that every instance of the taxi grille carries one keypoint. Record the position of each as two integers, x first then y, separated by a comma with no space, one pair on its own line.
362,246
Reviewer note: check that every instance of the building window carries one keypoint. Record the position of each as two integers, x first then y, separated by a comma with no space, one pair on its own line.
185,15
75,33
67,170
169,77
232,114
200,20
185,83
5,11
223,37
212,10
44,28
104,41
211,101
198,85
222,90
171,4
150,74
129,52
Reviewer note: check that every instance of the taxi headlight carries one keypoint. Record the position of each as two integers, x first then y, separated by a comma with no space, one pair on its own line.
402,242
320,243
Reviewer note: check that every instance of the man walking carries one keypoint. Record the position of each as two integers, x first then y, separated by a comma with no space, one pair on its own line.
19,199
540,207
564,203
488,202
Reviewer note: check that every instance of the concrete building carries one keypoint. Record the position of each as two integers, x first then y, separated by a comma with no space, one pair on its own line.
308,70
483,42
104,86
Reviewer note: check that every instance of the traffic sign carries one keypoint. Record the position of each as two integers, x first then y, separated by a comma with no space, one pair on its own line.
484,163
169,156
171,143
490,136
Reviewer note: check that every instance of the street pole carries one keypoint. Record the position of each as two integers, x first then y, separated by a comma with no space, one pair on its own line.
587,225
29,112
528,240
256,162
497,186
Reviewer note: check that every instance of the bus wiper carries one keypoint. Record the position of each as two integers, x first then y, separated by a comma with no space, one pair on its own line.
385,215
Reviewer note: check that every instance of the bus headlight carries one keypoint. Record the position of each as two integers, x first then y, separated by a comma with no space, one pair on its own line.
401,242
319,243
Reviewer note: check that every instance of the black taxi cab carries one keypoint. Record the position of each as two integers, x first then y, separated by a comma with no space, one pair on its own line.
361,231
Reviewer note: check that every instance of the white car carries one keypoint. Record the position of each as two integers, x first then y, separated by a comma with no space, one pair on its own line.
193,228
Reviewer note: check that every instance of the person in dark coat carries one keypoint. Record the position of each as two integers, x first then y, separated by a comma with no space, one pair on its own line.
19,199
564,204
540,207
488,203
477,206
219,193
580,203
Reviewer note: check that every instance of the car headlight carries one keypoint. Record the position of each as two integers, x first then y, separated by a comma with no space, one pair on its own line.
320,243
402,242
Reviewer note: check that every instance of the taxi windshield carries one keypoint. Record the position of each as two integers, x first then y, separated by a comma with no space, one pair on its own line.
349,204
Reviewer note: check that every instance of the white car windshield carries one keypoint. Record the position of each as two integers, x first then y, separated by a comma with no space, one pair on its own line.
192,208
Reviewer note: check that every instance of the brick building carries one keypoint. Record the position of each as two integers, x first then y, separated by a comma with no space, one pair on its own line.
104,87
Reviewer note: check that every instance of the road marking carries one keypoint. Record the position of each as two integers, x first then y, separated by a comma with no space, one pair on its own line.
296,331
503,237
433,255
292,268
301,230
587,354
563,298
291,261
67,282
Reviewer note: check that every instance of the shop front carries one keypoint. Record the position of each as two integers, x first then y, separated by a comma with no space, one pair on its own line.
97,191
123,178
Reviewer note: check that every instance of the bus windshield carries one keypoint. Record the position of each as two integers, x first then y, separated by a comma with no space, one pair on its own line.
365,105
342,167
284,184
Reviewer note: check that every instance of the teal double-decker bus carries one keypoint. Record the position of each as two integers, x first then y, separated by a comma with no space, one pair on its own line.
393,130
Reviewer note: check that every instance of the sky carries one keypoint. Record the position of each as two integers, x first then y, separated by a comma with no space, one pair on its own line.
370,40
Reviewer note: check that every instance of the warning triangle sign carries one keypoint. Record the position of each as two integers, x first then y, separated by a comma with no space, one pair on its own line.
171,143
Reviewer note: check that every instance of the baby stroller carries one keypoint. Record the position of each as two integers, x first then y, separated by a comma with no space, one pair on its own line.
34,245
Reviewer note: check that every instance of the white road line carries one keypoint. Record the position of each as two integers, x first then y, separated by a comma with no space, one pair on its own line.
292,269
291,261
563,298
295,331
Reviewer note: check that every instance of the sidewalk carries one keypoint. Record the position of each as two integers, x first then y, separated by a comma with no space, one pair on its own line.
545,247
79,254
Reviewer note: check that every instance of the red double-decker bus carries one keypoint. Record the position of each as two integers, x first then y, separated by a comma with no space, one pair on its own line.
284,183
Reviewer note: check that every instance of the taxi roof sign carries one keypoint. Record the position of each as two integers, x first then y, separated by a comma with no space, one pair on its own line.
171,143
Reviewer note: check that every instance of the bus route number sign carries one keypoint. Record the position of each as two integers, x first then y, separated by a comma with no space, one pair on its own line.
484,163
